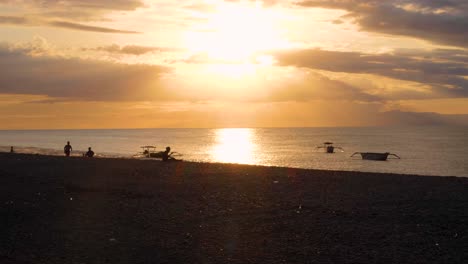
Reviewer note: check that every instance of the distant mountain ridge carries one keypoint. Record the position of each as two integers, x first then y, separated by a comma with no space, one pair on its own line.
422,118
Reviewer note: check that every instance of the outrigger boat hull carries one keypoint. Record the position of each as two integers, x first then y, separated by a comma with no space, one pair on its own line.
375,155
158,155
329,148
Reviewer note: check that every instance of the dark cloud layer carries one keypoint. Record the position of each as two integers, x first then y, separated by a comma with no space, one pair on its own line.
76,79
442,70
439,21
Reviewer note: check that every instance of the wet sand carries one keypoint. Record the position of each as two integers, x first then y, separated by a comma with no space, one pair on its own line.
79,210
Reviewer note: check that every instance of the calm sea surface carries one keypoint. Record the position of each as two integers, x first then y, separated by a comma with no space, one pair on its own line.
423,150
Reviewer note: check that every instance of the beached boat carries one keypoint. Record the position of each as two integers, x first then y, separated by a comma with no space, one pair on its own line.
375,155
150,152
328,147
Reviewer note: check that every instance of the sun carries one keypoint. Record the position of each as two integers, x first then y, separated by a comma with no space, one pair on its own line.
236,32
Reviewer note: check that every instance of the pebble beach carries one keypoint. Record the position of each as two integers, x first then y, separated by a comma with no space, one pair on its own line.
106,210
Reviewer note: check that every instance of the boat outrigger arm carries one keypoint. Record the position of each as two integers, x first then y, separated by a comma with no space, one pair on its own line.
330,147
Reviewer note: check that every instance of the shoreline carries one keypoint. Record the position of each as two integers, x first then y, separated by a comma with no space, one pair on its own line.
113,156
110,210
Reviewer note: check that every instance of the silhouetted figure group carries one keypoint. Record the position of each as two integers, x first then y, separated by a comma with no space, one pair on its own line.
165,155
68,149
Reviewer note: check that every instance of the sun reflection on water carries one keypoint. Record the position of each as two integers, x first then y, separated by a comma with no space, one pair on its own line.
234,145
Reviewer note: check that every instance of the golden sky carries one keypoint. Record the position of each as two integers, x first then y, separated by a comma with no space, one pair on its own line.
165,63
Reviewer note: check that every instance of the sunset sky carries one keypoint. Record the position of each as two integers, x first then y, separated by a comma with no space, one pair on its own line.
166,63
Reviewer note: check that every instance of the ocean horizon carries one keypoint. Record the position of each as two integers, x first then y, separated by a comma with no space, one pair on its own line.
424,150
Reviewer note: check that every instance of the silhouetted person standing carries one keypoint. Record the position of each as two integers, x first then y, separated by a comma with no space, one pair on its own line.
12,150
67,149
90,153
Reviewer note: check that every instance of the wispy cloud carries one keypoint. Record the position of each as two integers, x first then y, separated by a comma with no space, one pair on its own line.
76,26
14,20
316,86
23,21
76,9
129,49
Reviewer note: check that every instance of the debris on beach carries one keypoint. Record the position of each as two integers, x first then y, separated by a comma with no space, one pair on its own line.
299,209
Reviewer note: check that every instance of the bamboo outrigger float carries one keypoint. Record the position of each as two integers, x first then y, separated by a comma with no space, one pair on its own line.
375,155
329,148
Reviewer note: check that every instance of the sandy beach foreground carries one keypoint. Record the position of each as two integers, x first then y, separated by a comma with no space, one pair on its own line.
78,210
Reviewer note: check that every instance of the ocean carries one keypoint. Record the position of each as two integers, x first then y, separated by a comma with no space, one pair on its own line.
441,151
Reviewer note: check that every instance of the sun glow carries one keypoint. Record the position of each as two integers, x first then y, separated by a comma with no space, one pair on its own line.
234,145
236,33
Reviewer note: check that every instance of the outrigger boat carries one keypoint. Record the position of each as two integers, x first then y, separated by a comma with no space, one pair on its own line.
149,152
375,155
329,148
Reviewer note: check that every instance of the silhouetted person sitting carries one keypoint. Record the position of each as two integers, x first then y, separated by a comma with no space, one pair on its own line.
166,155
67,149
90,153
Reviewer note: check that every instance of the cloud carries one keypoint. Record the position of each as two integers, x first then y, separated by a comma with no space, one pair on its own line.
201,7
314,86
85,9
129,49
264,2
15,20
76,26
101,4
78,79
39,46
443,71
68,14
91,4
443,22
